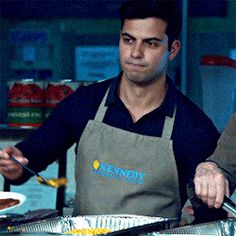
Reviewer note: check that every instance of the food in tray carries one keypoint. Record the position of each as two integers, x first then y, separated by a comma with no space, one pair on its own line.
88,224
90,231
8,202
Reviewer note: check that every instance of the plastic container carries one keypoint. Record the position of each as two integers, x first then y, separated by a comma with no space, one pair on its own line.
25,103
218,77
56,91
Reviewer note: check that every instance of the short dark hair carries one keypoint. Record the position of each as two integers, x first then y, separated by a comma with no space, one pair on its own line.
167,10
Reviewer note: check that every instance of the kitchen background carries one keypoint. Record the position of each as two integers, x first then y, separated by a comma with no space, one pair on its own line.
62,44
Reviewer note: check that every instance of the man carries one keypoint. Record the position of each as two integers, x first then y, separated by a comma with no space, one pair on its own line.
211,184
139,138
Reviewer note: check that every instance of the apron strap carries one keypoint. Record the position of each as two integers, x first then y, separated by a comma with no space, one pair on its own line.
168,126
102,108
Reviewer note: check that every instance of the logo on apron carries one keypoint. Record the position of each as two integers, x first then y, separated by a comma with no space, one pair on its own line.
111,171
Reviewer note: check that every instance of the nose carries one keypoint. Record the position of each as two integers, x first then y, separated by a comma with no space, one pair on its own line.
137,51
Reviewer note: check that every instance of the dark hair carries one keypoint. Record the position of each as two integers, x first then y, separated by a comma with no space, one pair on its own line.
167,10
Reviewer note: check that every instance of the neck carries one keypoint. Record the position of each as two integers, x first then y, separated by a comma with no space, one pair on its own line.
142,99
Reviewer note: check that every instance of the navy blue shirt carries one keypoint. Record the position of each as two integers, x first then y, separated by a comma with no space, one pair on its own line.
194,135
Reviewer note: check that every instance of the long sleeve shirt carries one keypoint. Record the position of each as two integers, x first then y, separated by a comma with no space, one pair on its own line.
225,152
194,135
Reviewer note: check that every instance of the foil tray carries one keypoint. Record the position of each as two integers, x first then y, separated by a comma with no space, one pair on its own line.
217,228
60,225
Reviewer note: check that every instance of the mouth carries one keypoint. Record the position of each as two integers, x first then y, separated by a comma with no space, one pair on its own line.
135,66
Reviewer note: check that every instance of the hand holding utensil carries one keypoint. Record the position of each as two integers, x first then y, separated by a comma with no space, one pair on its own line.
52,182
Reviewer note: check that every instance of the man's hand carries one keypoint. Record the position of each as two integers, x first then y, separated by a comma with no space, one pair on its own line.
210,184
10,169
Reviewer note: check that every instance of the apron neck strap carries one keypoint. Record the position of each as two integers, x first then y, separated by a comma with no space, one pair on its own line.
102,108
168,126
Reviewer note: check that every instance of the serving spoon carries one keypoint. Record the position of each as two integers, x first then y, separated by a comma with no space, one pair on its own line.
52,182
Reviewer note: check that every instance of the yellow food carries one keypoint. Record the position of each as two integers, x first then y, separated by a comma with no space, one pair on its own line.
55,183
91,231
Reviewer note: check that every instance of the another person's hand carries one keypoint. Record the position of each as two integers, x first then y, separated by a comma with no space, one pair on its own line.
10,169
210,184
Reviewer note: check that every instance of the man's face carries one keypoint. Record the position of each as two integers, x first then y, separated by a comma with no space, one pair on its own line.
144,52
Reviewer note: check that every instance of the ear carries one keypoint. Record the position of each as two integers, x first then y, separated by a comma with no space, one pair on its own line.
175,48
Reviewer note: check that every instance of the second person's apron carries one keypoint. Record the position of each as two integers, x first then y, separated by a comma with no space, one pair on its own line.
120,172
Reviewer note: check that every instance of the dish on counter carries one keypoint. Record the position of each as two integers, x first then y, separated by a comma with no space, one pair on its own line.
10,201
89,224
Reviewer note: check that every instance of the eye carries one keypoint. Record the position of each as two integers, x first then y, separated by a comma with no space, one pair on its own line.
128,40
152,43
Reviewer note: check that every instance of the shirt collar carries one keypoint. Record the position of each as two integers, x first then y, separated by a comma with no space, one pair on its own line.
167,107
170,101
113,93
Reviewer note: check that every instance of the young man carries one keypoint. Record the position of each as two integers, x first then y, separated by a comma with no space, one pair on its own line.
210,179
139,138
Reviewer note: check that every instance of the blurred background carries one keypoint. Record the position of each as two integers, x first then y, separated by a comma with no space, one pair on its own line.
50,47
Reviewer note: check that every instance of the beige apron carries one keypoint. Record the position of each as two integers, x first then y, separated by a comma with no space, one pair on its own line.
120,172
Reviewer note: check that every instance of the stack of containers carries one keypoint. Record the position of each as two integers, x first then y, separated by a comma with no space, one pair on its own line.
25,106
218,77
56,91
31,101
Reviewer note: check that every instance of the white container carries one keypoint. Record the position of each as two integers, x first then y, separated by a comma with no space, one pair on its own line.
218,77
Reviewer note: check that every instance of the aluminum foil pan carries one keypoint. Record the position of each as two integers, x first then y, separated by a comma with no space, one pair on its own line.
60,225
217,228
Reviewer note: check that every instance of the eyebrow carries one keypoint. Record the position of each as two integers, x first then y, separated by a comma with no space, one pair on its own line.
147,39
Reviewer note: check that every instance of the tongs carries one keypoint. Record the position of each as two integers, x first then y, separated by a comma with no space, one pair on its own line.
229,206
55,183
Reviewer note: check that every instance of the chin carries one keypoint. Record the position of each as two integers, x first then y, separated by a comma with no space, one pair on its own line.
141,81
